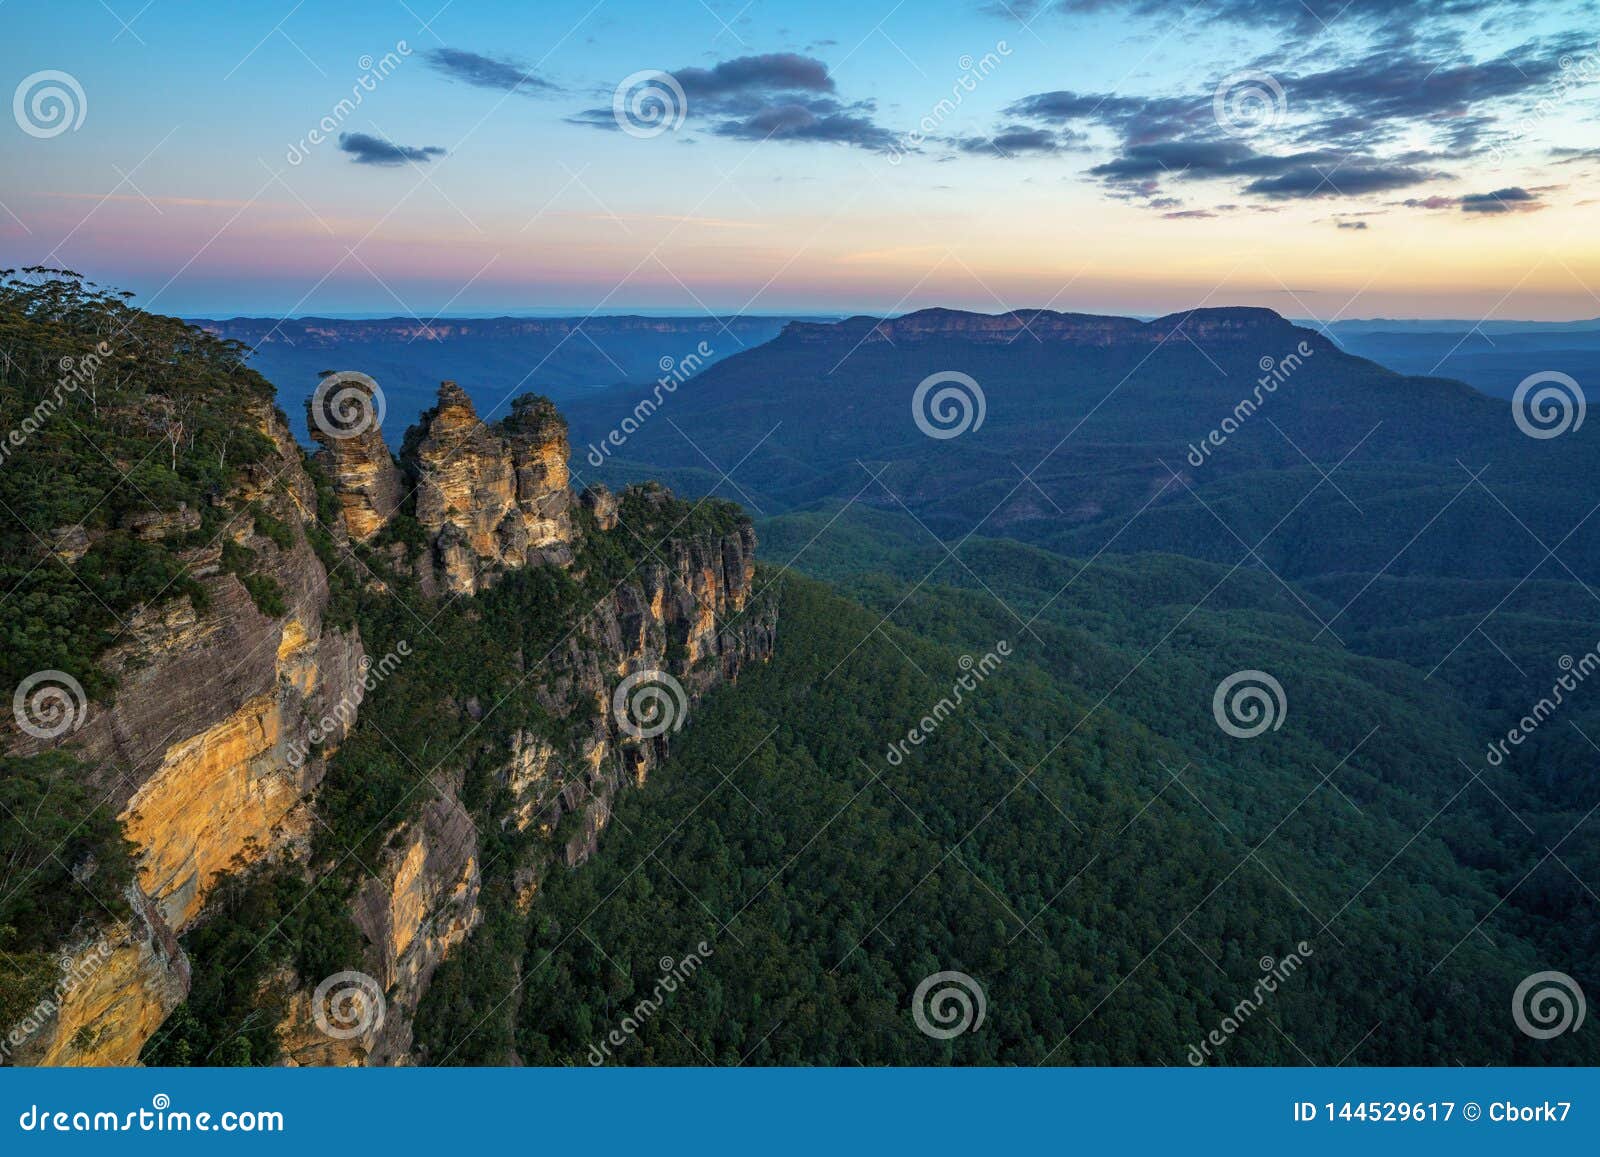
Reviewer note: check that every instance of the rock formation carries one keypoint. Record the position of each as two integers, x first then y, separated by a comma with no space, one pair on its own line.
203,750
491,496
364,475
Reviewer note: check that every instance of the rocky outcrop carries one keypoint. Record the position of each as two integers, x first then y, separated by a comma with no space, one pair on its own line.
365,478
602,504
490,496
205,751
115,988
684,620
420,906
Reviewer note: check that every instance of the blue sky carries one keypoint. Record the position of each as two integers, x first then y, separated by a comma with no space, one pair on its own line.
1327,159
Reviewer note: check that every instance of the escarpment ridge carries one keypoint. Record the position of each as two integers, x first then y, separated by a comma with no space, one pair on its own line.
310,589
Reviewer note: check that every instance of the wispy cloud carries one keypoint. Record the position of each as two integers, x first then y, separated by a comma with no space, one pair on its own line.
484,71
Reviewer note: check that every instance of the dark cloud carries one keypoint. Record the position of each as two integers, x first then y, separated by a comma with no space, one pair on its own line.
368,150
1312,173
1175,158
487,71
1387,94
1512,200
1352,224
1188,214
1137,120
816,120
1435,202
1014,139
1348,180
1340,131
1396,19
780,96
773,72
1515,199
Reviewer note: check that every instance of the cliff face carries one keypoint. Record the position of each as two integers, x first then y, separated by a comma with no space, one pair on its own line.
117,985
491,497
204,753
194,751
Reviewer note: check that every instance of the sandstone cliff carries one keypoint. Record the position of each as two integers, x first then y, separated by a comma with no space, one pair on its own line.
193,752
204,751
491,499
364,475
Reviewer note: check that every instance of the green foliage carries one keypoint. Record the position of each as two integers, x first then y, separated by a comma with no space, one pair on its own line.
109,413
56,829
274,530
63,868
257,922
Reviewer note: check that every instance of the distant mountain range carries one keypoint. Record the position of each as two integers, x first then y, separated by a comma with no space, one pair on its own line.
494,358
1011,567
1492,356
1428,325
1109,433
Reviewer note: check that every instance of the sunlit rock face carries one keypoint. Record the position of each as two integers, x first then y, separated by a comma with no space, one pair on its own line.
193,753
364,476
491,496
118,983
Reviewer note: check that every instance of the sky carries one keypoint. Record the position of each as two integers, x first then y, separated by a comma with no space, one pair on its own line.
1332,159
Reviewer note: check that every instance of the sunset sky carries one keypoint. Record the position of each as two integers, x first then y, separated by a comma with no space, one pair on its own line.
1331,160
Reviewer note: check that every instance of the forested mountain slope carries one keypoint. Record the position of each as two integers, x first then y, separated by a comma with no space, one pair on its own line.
1113,870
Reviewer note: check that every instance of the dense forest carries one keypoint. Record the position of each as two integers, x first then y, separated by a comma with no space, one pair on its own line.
1113,872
